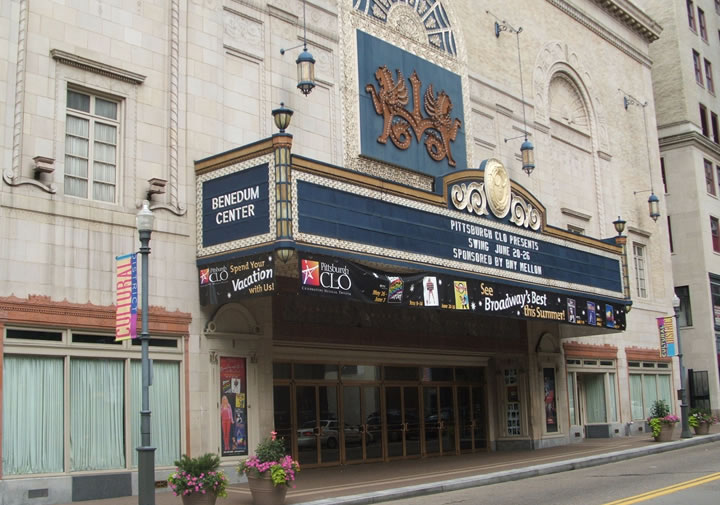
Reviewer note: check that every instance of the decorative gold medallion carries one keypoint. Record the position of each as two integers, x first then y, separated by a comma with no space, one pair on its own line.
497,188
390,101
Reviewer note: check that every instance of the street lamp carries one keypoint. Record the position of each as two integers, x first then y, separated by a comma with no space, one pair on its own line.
146,453
683,392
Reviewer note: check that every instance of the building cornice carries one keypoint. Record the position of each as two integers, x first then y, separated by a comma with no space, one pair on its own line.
690,138
96,67
650,31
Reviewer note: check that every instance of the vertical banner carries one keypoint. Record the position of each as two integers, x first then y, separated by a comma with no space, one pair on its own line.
127,296
233,407
666,330
550,404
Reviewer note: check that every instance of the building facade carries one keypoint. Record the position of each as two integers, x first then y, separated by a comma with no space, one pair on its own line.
381,279
687,118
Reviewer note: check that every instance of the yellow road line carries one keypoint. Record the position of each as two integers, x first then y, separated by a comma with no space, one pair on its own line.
666,490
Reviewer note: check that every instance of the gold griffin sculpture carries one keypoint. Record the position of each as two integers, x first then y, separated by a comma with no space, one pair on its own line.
390,102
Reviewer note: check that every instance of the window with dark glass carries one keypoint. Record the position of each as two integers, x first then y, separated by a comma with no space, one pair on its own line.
715,293
662,173
703,25
715,234
717,6
685,311
698,69
670,234
640,277
704,120
709,177
691,15
709,77
714,124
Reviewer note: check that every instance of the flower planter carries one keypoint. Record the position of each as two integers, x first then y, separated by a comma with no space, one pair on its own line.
199,499
666,433
702,429
263,491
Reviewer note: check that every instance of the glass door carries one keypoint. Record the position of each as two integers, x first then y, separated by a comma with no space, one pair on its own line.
439,417
471,418
402,419
318,438
362,426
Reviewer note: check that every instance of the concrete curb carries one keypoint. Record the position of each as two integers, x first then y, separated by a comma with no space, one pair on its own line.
510,475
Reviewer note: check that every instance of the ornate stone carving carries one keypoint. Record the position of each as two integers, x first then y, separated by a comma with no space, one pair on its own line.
524,214
390,101
470,197
497,187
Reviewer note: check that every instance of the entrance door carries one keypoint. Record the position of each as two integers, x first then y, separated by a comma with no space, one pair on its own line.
318,436
402,418
362,431
471,418
439,417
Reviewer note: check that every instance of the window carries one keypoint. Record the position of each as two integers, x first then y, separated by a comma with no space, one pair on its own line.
709,177
703,25
717,6
662,173
709,77
597,385
691,15
670,234
646,388
704,120
717,170
576,229
715,234
91,138
87,399
714,124
715,294
698,70
685,310
640,279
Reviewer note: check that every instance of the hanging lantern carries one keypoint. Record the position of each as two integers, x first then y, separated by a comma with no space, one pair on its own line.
528,157
654,206
305,72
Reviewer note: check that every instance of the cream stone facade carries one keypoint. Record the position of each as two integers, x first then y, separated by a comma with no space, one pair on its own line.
102,98
690,151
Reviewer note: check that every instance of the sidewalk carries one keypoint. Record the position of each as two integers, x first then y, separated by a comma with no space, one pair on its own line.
376,482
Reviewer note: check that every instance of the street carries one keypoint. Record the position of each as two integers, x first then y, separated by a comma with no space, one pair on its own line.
689,475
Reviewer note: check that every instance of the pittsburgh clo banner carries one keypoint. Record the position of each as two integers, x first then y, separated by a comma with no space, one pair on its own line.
127,296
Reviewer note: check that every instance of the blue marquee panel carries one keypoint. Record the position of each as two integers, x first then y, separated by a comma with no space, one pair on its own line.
374,53
236,206
345,216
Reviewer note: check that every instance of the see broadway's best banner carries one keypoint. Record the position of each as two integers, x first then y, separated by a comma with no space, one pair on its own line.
321,275
127,296
666,331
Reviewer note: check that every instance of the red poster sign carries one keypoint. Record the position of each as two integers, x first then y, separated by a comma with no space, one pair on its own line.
233,407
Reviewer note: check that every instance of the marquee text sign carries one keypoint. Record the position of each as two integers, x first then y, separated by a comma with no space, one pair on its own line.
350,217
236,206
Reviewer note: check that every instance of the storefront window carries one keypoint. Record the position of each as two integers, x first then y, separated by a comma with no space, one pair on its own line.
233,407
512,402
647,387
32,415
315,372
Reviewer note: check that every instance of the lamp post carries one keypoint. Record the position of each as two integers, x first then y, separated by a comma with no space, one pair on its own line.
683,392
146,453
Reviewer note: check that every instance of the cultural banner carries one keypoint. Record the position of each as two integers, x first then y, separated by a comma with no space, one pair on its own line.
666,331
127,296
233,406
335,277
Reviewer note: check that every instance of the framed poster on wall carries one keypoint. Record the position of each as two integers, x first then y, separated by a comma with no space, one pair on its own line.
233,407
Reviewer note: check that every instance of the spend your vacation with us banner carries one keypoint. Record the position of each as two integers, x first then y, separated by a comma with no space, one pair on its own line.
237,278
326,276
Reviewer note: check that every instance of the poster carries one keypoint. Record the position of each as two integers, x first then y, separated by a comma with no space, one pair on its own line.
126,297
551,424
666,332
233,407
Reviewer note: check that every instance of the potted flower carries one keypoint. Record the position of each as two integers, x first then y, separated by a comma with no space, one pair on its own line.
269,472
197,480
701,419
661,421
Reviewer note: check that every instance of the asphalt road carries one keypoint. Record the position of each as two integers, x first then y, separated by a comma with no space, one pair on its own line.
686,476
